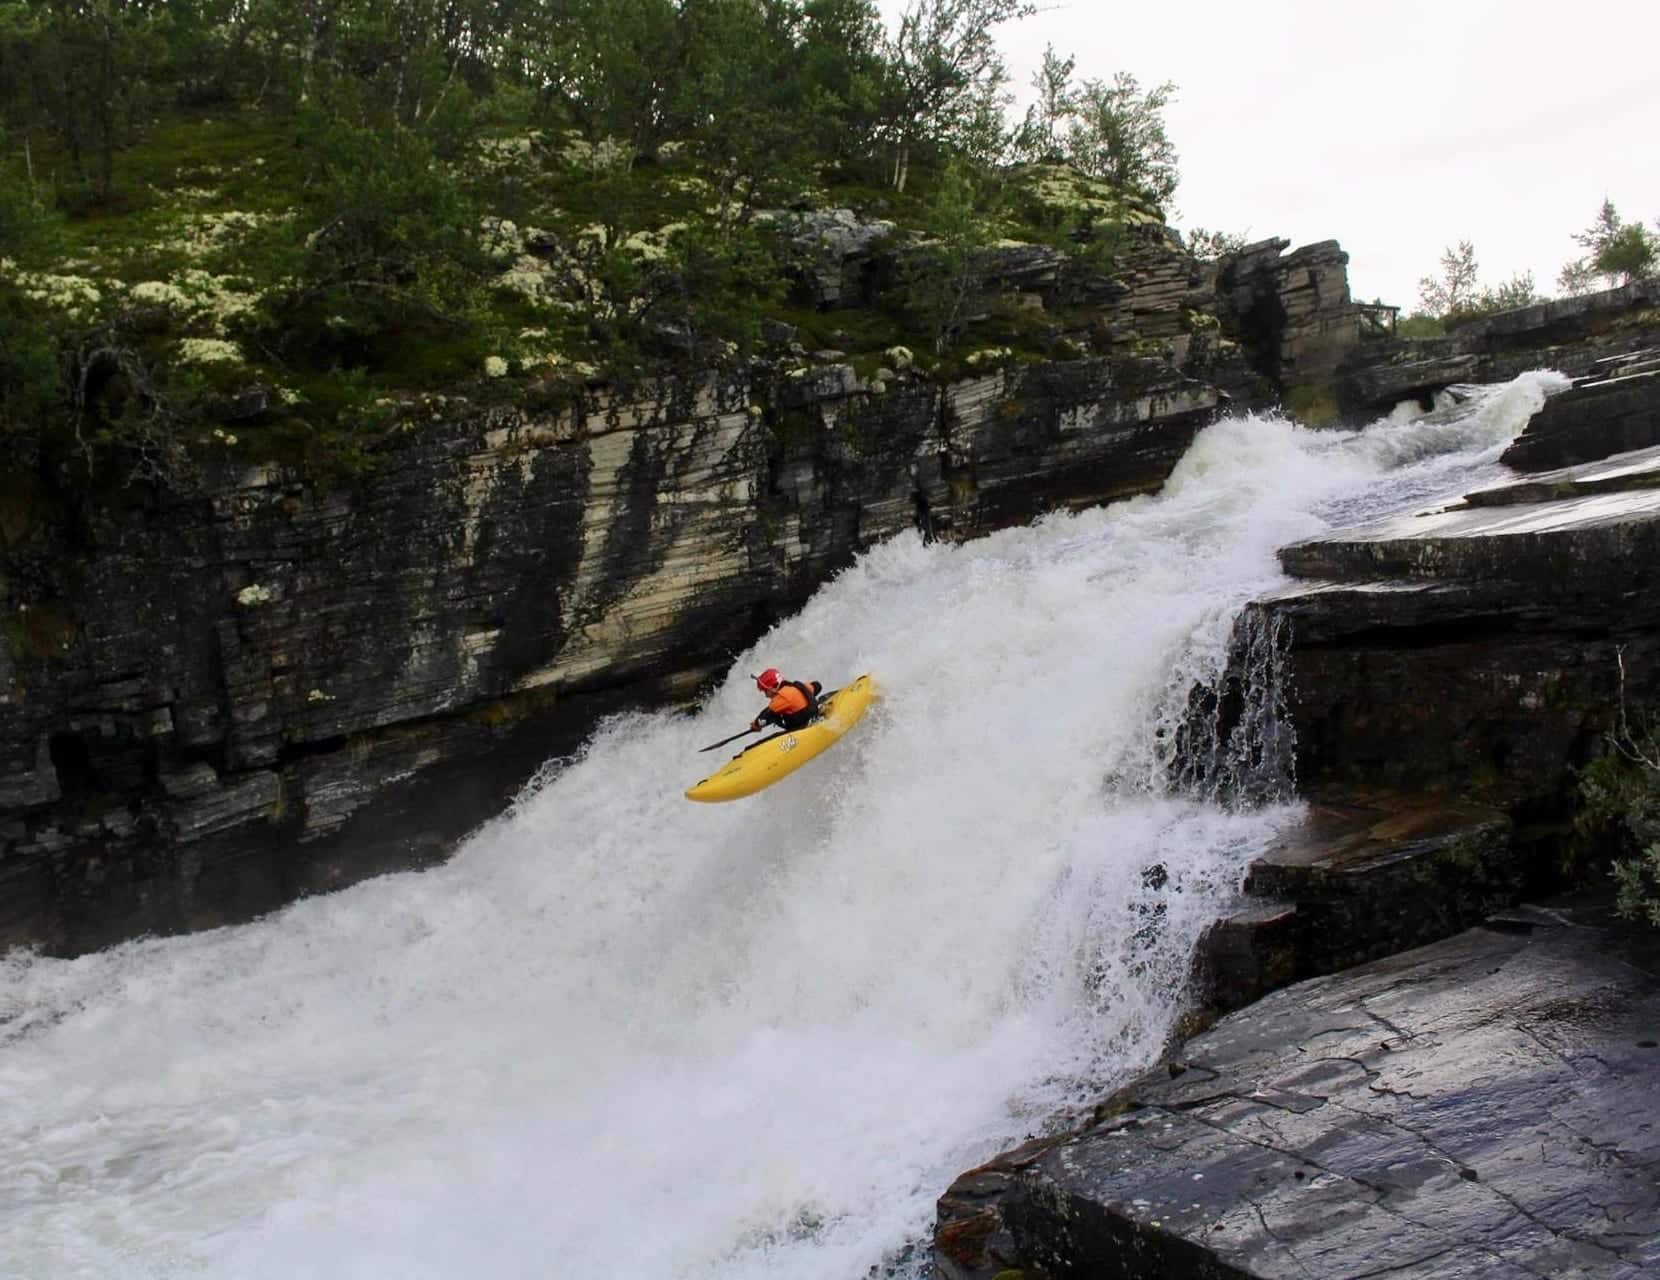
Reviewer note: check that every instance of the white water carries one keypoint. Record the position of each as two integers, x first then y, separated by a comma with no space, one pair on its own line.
623,1035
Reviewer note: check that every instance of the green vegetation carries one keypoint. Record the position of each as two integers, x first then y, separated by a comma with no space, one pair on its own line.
1620,792
1420,325
329,207
1457,296
1208,246
1617,253
1312,404
1619,818
1113,131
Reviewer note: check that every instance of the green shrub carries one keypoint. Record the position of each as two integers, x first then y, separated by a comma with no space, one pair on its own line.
389,257
1620,815
1638,880
1421,325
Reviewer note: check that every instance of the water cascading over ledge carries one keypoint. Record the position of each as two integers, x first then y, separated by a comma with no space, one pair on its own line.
1237,743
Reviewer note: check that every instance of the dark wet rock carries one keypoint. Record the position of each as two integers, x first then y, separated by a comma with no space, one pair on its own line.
1621,473
1105,428
1593,419
1478,648
1381,385
1254,949
1481,1107
972,1240
1365,873
31,780
1552,544
250,797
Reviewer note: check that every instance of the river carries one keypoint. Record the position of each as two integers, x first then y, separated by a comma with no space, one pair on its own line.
622,1035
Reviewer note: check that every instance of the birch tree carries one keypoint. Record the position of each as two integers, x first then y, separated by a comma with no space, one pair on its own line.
942,63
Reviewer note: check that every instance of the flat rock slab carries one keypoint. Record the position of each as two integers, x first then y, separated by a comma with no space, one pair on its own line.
1547,528
1352,831
1636,469
1551,543
1486,1106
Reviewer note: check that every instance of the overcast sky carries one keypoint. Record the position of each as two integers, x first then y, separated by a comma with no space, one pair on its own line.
1396,128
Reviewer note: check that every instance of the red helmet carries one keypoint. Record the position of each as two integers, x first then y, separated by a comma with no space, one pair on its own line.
769,680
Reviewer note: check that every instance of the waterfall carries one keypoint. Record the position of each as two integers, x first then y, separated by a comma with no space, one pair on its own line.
620,1034
1238,744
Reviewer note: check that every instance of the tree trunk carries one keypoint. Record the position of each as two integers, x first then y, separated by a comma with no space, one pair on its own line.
901,165
104,114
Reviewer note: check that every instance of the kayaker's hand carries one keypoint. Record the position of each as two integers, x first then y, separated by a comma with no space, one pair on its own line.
755,726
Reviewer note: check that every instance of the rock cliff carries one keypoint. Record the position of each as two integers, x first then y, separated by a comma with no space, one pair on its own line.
216,701
1570,335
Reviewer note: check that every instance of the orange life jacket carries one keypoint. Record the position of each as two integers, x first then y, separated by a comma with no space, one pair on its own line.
788,701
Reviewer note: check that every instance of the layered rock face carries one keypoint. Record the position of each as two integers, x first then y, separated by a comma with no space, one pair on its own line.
213,704
1617,405
1480,649
1293,314
1576,336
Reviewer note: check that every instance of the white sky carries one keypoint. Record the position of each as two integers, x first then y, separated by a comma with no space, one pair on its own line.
1396,128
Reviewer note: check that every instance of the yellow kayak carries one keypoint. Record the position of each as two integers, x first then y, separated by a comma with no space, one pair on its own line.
770,759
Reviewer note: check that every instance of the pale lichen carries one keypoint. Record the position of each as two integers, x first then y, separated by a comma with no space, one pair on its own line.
208,351
75,296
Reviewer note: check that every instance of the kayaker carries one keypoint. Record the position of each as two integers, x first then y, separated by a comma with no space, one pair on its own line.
791,705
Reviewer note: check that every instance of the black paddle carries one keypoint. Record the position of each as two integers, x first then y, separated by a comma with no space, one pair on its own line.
823,698
724,741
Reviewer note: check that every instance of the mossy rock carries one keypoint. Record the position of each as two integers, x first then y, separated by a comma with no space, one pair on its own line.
1193,321
22,507
41,631
1061,189
1313,404
1648,318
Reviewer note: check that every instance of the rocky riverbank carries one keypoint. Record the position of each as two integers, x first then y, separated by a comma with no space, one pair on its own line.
1476,1106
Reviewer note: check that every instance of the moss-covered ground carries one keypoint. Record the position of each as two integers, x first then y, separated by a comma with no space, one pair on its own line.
214,212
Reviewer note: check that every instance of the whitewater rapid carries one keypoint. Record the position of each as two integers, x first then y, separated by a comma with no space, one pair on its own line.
623,1035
